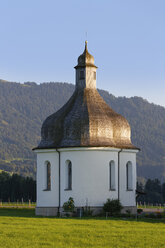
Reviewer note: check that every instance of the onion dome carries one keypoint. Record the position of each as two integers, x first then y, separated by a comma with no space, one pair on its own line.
85,59
85,120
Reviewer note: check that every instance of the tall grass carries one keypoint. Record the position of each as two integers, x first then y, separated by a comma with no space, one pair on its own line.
21,228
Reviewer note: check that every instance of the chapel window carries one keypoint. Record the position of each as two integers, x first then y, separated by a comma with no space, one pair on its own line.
129,176
68,175
48,175
94,75
112,185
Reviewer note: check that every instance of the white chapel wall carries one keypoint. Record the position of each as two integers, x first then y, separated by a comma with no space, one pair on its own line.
127,197
90,177
47,198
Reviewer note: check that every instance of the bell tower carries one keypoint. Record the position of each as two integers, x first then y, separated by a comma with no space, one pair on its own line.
86,70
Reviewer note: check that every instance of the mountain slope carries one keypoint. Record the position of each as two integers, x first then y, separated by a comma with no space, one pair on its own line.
23,107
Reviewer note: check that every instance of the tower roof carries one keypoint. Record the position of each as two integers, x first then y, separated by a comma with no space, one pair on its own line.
85,120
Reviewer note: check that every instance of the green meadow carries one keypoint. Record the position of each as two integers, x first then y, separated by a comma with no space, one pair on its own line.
21,228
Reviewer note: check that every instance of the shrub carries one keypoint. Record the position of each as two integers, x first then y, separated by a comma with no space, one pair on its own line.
69,205
139,210
113,207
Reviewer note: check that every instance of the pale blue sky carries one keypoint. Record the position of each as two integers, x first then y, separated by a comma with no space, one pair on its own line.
40,40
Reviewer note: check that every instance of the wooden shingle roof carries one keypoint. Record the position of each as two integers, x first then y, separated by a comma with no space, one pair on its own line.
85,120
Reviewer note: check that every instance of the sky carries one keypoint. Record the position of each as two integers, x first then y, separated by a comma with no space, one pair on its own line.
40,41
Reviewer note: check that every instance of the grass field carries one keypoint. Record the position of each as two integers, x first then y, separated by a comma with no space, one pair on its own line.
20,228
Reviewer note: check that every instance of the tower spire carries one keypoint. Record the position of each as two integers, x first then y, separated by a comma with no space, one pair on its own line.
86,42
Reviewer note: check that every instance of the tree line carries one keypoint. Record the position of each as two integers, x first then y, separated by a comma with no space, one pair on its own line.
154,192
15,188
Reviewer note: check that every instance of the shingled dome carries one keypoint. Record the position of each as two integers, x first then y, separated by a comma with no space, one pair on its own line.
85,120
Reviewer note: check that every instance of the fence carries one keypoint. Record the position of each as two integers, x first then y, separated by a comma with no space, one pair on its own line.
17,204
150,205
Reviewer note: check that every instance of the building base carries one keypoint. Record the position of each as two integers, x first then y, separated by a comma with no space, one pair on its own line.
125,210
46,211
129,209
54,211
95,210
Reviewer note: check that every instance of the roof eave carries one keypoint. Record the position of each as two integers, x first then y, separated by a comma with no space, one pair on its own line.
85,65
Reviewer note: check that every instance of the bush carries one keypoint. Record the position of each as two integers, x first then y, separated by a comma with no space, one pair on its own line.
139,210
69,205
113,207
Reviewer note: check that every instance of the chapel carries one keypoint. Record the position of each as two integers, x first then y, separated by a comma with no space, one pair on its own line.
85,151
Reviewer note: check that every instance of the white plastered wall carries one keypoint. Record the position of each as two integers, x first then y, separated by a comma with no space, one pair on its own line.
127,197
48,198
90,176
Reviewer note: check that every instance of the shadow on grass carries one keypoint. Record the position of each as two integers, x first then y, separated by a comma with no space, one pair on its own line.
15,212
30,213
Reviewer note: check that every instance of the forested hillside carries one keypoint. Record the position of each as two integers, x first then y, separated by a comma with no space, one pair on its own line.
23,107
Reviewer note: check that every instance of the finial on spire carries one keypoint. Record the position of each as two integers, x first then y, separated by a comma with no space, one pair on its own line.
86,42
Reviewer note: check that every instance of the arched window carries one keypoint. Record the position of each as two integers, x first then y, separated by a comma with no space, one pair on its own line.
112,185
129,176
48,175
68,175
